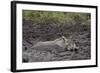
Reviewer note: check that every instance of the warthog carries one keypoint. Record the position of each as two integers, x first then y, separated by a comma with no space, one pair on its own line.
61,44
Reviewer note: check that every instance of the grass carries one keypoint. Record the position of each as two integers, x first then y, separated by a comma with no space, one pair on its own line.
49,17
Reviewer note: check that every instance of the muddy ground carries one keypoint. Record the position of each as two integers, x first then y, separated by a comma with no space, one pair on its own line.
33,33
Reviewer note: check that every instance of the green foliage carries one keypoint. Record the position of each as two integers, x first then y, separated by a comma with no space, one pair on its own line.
49,17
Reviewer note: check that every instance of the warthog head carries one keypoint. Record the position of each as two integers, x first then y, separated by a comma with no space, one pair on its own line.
68,44
71,46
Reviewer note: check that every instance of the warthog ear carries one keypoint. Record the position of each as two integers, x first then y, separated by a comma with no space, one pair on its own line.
64,38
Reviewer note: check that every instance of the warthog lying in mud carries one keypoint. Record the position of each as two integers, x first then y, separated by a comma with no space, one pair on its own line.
61,44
